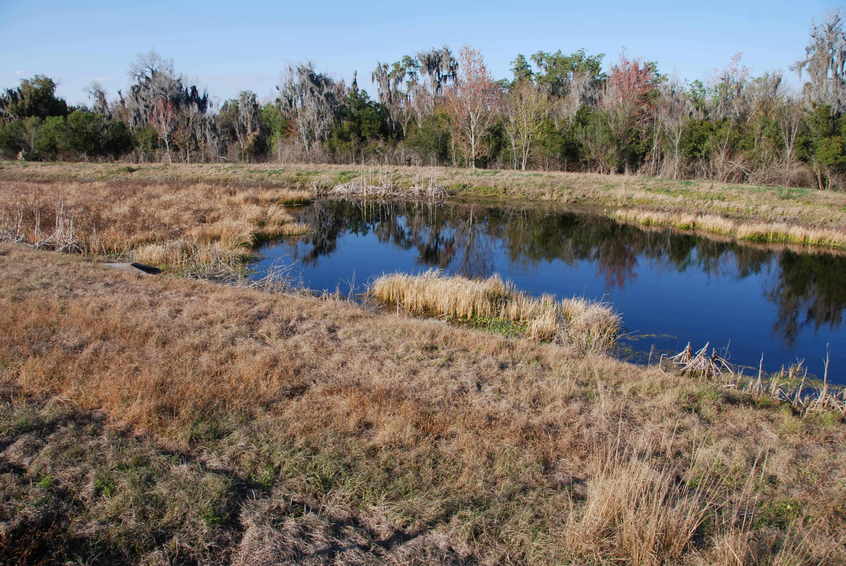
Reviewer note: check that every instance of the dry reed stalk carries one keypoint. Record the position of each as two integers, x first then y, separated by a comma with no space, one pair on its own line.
702,363
789,385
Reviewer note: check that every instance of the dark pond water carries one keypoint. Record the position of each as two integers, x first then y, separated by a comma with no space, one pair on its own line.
670,288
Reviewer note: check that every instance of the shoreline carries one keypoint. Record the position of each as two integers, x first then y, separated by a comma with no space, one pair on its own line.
755,213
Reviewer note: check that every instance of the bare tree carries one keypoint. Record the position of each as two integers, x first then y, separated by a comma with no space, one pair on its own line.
312,100
825,64
248,124
789,117
525,108
163,119
673,110
159,98
99,102
472,104
727,101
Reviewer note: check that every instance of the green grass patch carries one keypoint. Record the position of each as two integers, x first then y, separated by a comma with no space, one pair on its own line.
486,190
346,176
779,513
791,193
501,326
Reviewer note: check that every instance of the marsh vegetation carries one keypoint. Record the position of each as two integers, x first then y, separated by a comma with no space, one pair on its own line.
162,420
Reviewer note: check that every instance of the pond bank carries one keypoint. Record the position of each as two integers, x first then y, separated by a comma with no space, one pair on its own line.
746,205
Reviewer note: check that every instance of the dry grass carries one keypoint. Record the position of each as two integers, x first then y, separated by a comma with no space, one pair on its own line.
590,327
747,204
777,232
637,511
316,432
195,226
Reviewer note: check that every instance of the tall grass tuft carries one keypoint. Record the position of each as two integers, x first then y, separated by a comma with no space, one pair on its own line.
588,326
638,512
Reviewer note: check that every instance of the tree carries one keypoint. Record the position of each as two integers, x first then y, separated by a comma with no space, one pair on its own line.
396,85
276,125
521,69
159,98
430,139
525,108
240,121
83,133
825,64
163,120
100,103
35,97
472,104
627,103
361,121
558,72
827,152
789,116
311,100
439,67
673,110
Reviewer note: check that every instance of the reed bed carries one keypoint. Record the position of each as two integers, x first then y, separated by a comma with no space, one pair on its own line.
755,232
387,191
200,225
588,326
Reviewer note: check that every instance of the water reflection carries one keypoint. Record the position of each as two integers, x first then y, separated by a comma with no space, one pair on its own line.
798,298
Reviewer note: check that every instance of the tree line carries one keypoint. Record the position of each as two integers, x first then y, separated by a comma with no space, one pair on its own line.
558,111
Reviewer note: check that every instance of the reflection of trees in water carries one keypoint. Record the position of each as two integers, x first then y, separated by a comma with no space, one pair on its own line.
809,288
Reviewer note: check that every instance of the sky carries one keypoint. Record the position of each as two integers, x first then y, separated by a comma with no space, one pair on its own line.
230,46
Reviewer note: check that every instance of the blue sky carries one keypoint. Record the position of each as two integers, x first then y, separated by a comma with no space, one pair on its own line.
229,46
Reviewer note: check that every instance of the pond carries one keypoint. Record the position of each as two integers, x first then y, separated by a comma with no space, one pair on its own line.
670,288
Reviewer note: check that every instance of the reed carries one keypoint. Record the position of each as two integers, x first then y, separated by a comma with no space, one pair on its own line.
587,326
171,226
790,385
764,232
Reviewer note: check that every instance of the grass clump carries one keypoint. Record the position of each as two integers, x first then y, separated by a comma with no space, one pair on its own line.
637,511
588,326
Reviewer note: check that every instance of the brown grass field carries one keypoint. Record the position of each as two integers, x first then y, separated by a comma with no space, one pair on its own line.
168,420
189,228
162,420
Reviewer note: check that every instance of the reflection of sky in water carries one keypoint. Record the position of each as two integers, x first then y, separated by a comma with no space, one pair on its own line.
670,288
